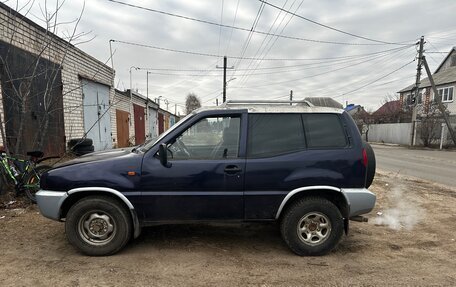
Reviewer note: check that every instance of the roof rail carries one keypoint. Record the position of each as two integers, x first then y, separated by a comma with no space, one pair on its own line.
270,102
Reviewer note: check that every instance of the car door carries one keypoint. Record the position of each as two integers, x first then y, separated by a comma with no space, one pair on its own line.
205,177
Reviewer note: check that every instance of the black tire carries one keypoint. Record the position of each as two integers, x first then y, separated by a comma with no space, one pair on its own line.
371,164
102,212
82,150
300,214
32,181
80,142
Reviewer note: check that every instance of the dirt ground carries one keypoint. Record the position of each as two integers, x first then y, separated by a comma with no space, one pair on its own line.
411,241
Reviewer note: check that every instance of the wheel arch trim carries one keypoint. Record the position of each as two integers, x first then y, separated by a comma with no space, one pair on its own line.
308,188
119,195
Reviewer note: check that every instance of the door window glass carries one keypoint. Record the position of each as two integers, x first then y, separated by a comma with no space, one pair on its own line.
209,138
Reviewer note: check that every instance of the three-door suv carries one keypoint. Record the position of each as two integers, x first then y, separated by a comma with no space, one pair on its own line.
304,167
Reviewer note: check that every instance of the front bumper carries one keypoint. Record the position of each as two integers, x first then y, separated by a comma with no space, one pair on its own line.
360,200
50,202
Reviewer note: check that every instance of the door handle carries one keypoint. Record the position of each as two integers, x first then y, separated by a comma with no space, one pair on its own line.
232,169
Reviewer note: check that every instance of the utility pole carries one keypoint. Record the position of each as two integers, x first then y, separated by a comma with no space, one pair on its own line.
216,101
291,97
175,109
441,107
224,76
417,90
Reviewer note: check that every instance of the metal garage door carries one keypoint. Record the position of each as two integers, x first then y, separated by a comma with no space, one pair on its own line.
97,118
140,128
152,123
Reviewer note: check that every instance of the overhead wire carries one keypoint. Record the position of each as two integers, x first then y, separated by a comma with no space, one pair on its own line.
275,39
249,30
272,72
320,74
376,80
248,39
330,27
232,30
233,57
264,39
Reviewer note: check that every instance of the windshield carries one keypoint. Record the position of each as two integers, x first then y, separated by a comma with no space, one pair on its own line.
151,143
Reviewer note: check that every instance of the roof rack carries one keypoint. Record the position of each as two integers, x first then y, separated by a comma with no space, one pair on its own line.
269,102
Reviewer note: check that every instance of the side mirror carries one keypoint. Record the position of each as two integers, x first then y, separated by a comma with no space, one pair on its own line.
163,155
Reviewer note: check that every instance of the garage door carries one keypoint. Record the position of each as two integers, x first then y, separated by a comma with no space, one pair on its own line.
97,118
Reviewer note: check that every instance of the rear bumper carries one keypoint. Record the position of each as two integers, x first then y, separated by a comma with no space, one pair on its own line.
360,200
50,202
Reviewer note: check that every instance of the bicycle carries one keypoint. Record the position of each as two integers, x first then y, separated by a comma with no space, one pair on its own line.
24,174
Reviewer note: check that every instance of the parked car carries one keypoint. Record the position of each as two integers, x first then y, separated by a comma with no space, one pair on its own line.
304,167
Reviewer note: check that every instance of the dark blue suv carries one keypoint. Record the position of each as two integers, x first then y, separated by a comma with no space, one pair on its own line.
304,167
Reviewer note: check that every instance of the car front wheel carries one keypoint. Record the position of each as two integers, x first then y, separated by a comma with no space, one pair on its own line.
312,226
98,225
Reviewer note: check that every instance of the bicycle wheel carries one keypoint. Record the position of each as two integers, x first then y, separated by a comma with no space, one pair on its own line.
32,181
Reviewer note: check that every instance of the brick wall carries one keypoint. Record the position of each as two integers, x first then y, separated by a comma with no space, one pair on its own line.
76,64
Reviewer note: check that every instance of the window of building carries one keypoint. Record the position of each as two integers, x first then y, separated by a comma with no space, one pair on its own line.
446,94
274,134
324,131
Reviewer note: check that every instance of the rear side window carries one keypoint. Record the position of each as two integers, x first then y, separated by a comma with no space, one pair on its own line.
324,131
274,134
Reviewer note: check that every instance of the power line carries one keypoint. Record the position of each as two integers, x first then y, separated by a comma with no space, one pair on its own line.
318,74
264,39
376,80
236,57
330,62
246,29
275,40
329,27
220,32
234,21
249,37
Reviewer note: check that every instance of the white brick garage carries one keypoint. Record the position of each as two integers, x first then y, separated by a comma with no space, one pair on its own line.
74,65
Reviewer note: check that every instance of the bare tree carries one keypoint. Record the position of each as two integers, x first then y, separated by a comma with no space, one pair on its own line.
192,102
429,126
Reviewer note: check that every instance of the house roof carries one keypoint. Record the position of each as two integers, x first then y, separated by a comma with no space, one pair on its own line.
351,107
444,60
388,108
444,77
324,102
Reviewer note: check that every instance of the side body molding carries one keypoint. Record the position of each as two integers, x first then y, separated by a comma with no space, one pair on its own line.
307,188
118,194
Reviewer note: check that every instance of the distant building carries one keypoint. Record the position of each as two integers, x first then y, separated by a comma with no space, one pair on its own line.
445,81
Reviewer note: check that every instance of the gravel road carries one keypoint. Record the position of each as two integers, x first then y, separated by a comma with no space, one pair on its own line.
412,243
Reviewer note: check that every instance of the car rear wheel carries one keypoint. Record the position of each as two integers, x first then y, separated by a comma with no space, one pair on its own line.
98,225
312,226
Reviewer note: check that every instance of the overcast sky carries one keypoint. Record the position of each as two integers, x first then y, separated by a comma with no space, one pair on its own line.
350,70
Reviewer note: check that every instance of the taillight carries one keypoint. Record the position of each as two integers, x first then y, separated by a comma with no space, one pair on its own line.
364,157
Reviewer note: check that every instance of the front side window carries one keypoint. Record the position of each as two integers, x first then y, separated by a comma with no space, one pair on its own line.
274,134
324,131
209,138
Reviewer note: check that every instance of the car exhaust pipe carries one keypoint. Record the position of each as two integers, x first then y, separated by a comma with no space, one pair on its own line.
359,218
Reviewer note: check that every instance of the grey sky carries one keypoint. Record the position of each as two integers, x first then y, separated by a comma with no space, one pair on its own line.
390,21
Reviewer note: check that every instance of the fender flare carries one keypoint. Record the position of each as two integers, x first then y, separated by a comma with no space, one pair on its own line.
308,188
119,195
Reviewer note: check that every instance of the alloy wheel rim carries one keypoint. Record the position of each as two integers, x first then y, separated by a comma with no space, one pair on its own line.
314,228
